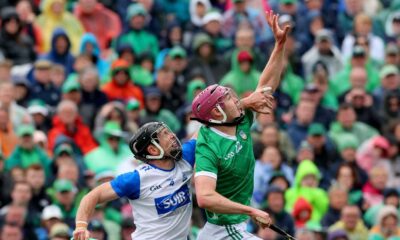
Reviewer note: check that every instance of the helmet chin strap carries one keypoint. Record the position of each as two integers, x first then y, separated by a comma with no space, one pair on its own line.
159,156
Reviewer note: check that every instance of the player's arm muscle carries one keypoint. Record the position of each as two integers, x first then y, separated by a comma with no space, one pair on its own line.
101,194
209,199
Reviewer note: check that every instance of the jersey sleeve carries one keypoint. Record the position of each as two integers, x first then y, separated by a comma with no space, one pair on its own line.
127,185
206,161
188,151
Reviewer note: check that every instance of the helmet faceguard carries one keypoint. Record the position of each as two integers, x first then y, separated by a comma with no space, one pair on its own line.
151,133
210,98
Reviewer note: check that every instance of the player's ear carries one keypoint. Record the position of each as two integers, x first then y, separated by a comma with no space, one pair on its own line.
215,113
152,150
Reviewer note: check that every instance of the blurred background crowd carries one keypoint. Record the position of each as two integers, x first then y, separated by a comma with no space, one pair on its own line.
78,77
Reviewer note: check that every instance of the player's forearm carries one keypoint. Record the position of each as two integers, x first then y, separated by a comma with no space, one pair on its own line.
271,74
86,207
217,203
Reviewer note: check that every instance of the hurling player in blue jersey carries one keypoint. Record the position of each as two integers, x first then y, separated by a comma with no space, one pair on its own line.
158,190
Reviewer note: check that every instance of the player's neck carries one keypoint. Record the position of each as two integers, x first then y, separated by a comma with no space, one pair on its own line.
167,164
230,130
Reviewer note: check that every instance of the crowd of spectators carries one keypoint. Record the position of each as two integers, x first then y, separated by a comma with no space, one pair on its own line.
78,77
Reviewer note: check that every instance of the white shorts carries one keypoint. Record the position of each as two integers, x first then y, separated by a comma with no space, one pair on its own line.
225,232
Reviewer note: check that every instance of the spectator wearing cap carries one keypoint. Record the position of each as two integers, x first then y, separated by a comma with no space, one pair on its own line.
387,224
22,90
27,152
244,41
390,81
205,58
243,79
14,44
373,151
325,154
71,90
8,138
275,203
306,186
338,199
142,76
325,51
122,86
269,162
212,25
39,113
363,27
51,215
140,39
54,15
89,46
42,86
64,197
60,231
341,82
391,197
346,122
172,98
95,18
92,97
303,117
132,109
392,54
252,17
111,151
67,122
60,52
153,110
351,222
177,60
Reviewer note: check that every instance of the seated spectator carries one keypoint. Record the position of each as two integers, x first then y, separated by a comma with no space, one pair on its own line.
387,226
121,86
11,231
338,199
51,215
40,115
246,70
373,189
298,127
154,112
302,212
27,152
351,222
347,178
140,39
346,123
357,79
112,150
320,79
90,47
54,15
36,178
64,197
8,137
60,50
133,115
391,197
60,231
67,122
306,186
390,81
42,86
373,151
270,161
171,96
391,109
95,18
14,44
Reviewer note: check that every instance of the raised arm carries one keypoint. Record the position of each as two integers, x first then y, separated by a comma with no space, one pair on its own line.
101,194
271,74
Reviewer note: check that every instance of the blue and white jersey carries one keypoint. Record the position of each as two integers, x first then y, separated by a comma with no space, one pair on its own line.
161,199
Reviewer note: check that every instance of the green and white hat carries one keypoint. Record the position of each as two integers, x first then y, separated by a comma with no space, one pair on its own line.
38,106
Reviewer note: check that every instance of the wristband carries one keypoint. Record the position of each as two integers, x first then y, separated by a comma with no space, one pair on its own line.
81,224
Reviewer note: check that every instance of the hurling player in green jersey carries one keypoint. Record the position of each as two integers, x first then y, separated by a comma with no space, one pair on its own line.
224,151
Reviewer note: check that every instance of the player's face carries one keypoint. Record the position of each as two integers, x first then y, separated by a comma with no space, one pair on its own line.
232,105
169,142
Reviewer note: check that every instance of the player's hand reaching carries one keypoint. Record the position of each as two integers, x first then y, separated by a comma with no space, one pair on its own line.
260,101
261,218
279,33
81,234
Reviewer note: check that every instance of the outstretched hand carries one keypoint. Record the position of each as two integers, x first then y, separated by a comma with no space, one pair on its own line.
279,33
260,101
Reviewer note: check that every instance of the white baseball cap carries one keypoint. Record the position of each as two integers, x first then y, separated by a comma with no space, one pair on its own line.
52,211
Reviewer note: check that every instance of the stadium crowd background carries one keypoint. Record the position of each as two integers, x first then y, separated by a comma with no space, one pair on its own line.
78,77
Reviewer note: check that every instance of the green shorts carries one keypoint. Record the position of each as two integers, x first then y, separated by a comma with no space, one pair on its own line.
225,232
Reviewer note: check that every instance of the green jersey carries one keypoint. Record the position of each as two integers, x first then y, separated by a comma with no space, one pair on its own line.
230,160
